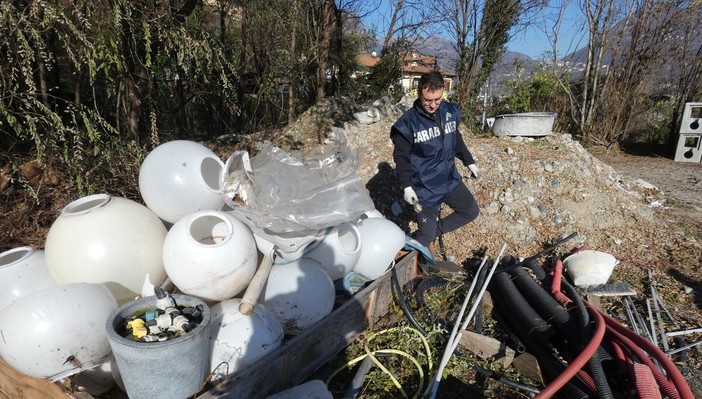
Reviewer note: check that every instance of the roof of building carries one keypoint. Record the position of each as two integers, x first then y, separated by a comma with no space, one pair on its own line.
414,64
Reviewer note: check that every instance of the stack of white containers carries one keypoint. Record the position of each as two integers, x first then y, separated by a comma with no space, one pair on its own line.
103,251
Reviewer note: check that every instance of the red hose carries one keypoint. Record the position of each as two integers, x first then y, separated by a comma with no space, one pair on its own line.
642,347
587,379
643,358
556,284
674,387
621,359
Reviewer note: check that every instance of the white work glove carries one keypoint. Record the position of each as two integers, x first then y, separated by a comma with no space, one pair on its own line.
410,196
473,170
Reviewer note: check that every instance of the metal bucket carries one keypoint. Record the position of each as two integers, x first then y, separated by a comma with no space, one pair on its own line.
524,124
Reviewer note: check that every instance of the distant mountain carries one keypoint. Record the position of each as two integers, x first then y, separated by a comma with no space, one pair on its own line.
505,69
448,57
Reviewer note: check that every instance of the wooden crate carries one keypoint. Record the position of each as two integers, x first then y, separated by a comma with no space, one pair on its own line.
16,385
298,358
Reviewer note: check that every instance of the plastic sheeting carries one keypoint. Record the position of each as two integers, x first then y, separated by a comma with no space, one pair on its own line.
280,194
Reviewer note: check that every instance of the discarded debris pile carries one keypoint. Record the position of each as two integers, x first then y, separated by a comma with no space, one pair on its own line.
270,272
258,243
580,349
533,189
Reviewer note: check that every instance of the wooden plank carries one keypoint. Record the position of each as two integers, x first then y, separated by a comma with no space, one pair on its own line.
298,358
16,385
487,348
528,366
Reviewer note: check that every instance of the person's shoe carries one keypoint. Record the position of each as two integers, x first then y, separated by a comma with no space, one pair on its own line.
433,249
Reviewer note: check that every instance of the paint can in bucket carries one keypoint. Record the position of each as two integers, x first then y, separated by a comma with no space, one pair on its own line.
174,368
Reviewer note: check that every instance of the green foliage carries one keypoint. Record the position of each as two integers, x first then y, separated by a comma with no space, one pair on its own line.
652,122
498,18
537,93
383,79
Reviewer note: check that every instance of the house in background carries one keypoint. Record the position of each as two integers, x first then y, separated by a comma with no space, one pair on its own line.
414,65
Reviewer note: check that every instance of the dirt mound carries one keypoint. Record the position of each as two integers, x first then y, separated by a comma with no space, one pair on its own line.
531,191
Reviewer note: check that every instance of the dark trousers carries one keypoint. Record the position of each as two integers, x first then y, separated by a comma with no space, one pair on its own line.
465,209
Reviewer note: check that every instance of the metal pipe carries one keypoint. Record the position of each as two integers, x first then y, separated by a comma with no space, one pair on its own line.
357,383
466,300
661,326
642,324
667,312
650,321
682,348
684,332
679,341
433,386
632,319
531,391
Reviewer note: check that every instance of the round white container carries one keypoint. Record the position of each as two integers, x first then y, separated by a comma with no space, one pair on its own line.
22,271
380,241
105,239
299,293
180,177
373,213
338,251
238,341
58,330
589,267
210,255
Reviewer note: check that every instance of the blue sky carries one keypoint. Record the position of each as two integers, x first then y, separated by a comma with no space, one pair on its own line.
532,39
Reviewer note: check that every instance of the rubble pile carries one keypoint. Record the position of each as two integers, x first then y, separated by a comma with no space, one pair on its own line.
531,191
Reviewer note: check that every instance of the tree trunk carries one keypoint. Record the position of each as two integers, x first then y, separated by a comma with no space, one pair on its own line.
391,25
326,31
293,63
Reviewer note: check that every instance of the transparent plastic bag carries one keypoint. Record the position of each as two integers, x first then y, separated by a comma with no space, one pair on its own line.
279,193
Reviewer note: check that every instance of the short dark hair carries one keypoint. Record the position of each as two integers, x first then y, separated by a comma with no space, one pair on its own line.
433,80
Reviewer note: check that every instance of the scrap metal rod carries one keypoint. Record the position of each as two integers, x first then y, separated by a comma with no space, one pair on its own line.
651,322
632,319
657,308
642,324
684,332
682,348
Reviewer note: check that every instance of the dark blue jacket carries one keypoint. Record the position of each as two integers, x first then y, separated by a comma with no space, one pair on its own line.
425,150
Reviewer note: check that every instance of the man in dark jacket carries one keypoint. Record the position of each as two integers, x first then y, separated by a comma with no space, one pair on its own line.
427,140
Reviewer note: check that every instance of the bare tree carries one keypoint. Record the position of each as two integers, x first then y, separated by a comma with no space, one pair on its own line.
688,52
410,20
480,30
630,42
293,61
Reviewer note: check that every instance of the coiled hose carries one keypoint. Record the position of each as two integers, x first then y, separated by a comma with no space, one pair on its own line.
550,364
578,333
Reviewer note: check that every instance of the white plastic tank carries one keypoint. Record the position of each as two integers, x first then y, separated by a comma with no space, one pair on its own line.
56,332
109,240
22,271
381,239
180,177
300,293
210,255
338,250
238,341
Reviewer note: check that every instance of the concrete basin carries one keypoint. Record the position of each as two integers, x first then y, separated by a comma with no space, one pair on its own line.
524,124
